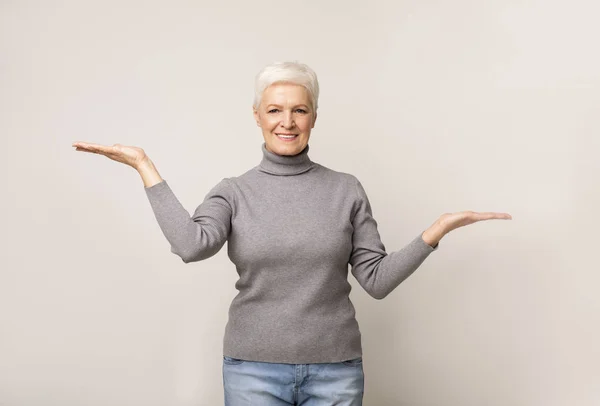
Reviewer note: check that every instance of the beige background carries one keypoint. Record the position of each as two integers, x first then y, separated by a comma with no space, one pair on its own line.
435,106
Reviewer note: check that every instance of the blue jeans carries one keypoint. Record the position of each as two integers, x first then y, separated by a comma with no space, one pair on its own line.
271,384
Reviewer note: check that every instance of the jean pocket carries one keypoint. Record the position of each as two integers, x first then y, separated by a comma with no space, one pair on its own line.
353,362
232,361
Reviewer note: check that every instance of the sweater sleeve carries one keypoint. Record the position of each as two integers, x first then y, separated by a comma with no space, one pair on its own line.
377,272
197,237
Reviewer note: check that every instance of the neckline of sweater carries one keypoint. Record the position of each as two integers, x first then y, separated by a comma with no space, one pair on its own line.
275,164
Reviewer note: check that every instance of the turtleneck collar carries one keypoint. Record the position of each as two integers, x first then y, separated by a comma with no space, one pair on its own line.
285,164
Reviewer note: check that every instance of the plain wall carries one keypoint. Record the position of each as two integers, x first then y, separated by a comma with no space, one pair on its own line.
435,106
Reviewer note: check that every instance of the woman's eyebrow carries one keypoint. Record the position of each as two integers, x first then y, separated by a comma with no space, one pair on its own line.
278,105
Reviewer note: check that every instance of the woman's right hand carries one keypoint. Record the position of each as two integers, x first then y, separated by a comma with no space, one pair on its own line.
129,155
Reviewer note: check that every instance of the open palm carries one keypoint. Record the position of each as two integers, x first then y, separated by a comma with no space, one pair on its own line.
452,221
129,155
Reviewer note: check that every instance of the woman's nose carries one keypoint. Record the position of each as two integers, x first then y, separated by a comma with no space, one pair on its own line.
288,121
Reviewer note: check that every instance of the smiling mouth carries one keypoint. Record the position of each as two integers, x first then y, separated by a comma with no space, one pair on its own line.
286,137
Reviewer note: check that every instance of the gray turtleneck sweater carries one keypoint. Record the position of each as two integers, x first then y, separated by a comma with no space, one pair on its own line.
293,226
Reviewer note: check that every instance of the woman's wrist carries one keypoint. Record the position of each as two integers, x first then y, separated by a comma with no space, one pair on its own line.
434,234
148,172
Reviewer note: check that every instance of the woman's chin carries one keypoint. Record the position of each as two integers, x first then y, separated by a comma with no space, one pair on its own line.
285,147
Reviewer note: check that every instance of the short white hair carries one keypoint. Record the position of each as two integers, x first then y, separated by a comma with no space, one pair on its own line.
287,72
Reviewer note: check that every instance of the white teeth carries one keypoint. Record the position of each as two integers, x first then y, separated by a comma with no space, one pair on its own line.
286,136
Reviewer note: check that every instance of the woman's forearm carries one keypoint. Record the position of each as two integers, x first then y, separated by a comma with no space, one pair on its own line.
148,172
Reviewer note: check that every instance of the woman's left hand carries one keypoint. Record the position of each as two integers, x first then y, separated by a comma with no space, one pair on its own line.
451,221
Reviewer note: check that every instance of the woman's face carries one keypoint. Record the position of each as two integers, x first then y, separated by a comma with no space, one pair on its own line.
285,109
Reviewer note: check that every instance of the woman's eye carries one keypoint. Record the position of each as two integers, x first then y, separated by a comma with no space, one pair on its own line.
302,111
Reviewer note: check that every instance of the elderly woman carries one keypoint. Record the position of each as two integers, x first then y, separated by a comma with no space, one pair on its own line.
292,226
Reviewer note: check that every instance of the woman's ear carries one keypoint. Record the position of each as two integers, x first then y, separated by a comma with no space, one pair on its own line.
256,116
314,120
